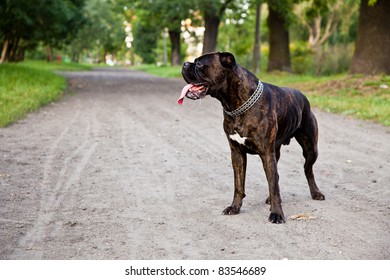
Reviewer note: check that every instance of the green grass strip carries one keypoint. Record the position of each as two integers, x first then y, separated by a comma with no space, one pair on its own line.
26,86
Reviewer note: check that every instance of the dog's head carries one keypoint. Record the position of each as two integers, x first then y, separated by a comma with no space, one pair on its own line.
207,75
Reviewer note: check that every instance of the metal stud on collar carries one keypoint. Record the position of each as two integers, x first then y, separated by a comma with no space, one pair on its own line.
249,103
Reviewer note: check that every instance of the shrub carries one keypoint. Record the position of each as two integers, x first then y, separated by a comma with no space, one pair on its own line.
328,60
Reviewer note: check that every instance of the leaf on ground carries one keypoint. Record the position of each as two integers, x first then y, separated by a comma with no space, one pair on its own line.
302,217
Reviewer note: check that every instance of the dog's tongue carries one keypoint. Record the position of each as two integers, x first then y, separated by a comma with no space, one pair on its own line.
183,93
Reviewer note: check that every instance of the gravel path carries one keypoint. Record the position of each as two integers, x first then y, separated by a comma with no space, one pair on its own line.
117,170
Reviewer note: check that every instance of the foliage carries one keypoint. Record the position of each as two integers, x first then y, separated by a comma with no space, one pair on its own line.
23,25
212,13
93,28
146,34
328,60
167,14
103,31
237,36
322,19
153,18
285,8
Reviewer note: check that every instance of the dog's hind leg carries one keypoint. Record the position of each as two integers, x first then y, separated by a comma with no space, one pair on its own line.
307,137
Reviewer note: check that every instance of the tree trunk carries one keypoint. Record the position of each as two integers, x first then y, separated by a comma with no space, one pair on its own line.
12,50
174,36
75,55
49,53
279,51
372,52
212,17
4,51
165,55
256,47
212,21
19,55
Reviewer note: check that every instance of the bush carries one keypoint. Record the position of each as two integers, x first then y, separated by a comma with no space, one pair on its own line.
334,59
302,59
328,60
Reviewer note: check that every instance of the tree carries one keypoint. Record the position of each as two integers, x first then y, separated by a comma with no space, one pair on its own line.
169,14
174,36
322,18
237,30
165,14
23,25
103,32
212,14
146,34
278,20
256,45
372,52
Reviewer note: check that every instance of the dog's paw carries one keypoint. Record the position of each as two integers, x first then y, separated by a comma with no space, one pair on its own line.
231,210
318,196
276,218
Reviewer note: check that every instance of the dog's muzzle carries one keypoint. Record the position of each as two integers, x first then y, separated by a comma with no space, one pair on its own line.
193,90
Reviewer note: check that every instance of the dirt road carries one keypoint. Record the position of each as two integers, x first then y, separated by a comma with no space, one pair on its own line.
117,170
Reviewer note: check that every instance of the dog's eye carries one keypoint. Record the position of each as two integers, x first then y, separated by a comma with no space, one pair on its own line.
198,64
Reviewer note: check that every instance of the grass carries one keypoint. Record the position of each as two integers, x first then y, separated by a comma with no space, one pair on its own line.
161,71
26,86
54,66
364,97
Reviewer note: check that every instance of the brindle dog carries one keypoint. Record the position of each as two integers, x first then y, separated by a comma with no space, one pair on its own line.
258,119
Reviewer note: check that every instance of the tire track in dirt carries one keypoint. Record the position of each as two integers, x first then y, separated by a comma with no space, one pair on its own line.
57,180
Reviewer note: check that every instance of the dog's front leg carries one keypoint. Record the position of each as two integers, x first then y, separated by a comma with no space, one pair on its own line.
271,172
239,167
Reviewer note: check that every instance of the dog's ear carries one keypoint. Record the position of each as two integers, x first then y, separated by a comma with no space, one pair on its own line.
227,59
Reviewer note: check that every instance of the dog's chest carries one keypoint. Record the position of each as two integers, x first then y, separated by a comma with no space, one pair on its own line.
238,138
243,132
245,141
237,132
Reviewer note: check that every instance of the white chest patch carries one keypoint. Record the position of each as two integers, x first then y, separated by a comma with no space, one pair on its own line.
237,137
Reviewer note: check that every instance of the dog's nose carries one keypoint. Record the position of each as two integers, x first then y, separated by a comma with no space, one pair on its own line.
186,64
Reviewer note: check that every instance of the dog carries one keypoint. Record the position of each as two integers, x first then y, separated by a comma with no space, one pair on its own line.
258,119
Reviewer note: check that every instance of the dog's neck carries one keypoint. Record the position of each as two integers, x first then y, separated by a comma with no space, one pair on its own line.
243,83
